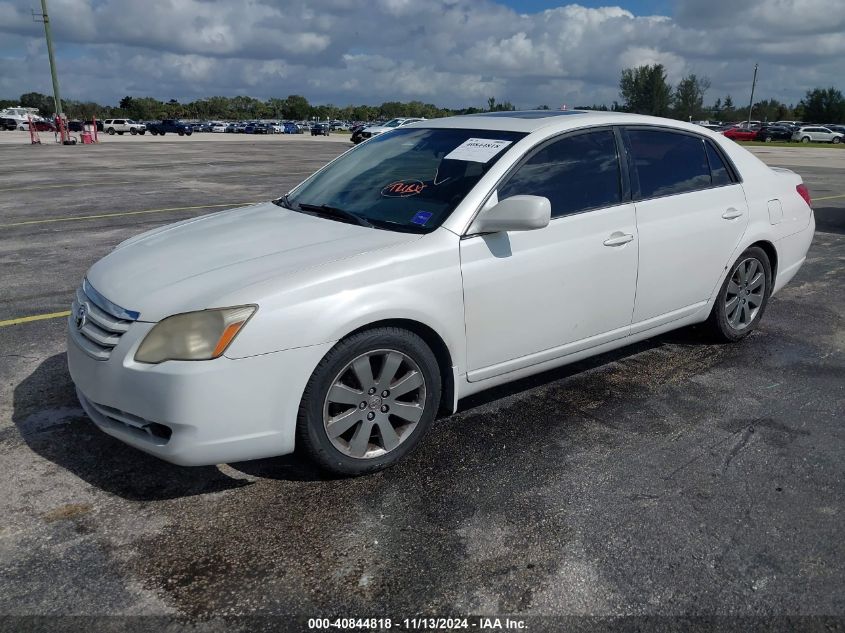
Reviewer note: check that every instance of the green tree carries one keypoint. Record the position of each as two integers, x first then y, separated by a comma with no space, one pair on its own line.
728,112
645,90
768,110
688,100
821,105
44,103
296,107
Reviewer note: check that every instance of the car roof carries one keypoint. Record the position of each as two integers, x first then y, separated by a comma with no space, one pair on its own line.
532,120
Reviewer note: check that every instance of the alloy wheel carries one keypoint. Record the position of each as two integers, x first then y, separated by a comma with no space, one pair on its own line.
374,403
745,293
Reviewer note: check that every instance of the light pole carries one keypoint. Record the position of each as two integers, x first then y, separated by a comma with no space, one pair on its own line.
57,98
750,101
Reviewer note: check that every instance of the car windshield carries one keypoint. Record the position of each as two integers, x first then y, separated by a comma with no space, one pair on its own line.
409,179
393,123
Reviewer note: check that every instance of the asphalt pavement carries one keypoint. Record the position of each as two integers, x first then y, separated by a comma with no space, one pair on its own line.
673,477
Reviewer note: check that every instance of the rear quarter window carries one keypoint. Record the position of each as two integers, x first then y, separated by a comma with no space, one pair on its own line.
668,163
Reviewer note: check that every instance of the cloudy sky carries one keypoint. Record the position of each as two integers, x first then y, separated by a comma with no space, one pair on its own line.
449,52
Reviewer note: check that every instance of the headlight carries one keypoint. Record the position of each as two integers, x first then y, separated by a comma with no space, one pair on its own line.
194,335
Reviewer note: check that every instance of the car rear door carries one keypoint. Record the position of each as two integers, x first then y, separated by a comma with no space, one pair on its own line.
691,213
533,296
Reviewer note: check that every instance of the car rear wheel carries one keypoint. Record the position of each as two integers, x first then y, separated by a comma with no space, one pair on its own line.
768,139
142,132
189,132
743,296
181,133
369,402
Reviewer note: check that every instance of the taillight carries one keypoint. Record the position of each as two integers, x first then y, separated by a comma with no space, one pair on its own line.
804,193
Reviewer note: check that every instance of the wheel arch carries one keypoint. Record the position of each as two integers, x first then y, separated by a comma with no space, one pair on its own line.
437,345
772,254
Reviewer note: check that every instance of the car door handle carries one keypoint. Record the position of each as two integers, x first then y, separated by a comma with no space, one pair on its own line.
618,239
732,214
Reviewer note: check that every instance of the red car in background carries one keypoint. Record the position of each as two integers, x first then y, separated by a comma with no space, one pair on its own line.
740,134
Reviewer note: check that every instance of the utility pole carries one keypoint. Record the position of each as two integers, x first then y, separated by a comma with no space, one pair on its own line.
46,20
750,101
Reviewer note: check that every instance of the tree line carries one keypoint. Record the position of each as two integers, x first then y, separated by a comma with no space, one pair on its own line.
240,108
643,90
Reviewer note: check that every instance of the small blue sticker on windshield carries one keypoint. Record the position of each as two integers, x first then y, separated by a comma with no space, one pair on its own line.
422,217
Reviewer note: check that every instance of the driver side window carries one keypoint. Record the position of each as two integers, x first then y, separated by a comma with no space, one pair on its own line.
576,173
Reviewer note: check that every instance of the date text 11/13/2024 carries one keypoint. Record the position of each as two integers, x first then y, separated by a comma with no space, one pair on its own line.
419,624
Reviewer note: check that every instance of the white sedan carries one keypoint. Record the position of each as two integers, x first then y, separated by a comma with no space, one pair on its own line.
432,262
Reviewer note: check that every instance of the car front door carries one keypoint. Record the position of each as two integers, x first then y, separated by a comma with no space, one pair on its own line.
691,213
534,296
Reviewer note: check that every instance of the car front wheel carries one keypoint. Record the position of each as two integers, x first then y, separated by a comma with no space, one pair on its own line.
837,140
111,131
369,402
743,296
805,139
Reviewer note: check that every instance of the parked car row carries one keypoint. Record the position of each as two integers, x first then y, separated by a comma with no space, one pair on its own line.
368,130
781,131
266,127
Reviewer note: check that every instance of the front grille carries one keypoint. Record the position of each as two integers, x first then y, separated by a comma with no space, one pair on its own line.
96,331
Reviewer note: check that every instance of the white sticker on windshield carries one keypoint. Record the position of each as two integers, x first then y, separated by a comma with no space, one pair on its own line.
477,150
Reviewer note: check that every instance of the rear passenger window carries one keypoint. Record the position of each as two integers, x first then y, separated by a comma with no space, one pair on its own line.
575,173
668,163
718,170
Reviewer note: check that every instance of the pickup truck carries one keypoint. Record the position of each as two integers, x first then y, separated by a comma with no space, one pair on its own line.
170,125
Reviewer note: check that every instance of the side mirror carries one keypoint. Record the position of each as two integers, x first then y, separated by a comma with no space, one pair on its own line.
517,213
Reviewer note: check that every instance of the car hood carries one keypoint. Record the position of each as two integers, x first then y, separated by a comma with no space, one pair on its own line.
195,264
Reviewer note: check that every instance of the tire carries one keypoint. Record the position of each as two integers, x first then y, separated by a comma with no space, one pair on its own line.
110,131
347,452
729,325
161,133
768,139
142,132
189,132
120,133
133,131
181,132
805,139
836,140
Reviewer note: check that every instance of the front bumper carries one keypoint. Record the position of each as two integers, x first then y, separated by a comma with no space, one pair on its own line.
194,413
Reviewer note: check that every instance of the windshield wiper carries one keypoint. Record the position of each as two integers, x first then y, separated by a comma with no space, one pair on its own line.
335,212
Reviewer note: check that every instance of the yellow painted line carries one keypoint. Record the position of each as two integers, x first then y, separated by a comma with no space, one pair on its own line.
77,218
37,317
66,185
841,195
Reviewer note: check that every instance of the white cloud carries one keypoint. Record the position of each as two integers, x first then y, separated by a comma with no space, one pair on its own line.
451,52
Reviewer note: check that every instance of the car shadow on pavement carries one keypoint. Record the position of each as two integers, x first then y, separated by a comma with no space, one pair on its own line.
829,219
51,422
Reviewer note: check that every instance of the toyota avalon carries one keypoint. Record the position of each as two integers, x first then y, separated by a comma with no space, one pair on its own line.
429,263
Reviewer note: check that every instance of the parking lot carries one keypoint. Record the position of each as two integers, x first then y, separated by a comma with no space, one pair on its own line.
671,477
